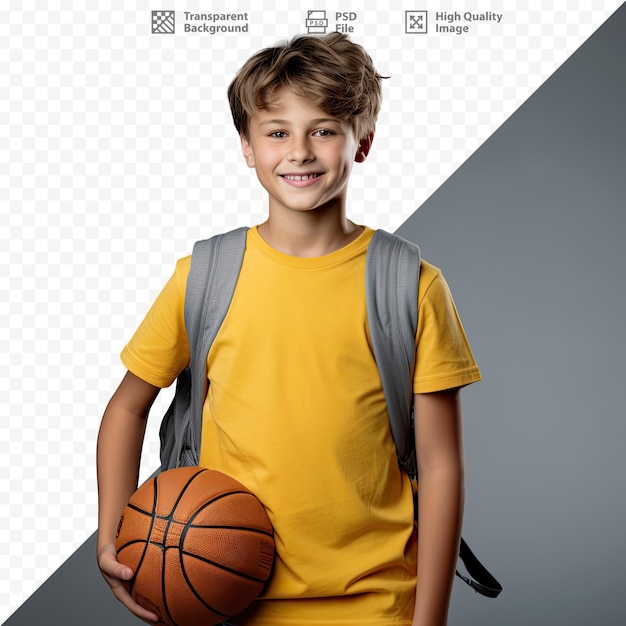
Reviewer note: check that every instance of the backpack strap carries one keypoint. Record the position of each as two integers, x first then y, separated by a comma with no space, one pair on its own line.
479,579
391,281
215,266
391,288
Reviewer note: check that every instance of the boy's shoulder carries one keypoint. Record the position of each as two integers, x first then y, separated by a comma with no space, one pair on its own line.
429,272
432,283
181,270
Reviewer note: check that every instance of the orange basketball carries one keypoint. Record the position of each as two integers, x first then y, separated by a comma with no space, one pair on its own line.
200,544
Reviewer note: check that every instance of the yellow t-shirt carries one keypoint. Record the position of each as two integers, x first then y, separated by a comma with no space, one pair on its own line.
296,412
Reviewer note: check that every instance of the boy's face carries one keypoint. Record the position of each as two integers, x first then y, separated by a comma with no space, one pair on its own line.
303,156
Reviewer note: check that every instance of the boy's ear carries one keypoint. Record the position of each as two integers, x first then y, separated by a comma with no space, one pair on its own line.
246,148
364,148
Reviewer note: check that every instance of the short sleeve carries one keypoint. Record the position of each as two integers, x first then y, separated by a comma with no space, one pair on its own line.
444,358
159,349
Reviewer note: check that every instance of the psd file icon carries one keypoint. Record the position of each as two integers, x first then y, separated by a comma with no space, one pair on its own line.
316,22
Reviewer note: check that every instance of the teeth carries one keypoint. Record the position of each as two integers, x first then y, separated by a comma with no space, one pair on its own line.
290,177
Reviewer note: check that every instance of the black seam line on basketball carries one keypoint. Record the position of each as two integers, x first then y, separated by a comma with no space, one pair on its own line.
131,585
215,499
182,491
222,567
183,534
130,543
163,546
169,518
254,531
189,522
170,515
259,531
134,507
163,594
193,590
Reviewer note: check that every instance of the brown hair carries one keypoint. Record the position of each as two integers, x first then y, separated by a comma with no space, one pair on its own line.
331,72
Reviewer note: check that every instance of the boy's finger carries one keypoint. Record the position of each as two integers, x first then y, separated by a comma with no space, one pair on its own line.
109,565
115,573
120,592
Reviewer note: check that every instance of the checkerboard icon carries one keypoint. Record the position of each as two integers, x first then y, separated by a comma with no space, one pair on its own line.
163,22
416,22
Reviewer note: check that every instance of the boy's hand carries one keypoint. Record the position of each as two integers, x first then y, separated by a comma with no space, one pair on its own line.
115,574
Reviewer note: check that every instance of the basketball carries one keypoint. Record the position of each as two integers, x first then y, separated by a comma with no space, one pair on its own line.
200,544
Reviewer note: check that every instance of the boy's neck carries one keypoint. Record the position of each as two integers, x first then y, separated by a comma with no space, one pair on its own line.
306,235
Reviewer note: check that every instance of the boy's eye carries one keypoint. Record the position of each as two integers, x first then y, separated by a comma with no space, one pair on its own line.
323,132
278,134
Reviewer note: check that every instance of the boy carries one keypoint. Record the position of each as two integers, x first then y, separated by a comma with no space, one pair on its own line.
295,408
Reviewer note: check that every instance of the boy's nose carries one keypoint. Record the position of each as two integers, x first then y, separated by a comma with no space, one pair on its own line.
300,151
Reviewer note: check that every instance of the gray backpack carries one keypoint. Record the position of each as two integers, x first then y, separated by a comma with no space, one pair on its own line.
392,275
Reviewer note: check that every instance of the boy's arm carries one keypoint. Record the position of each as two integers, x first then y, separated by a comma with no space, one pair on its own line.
439,444
119,450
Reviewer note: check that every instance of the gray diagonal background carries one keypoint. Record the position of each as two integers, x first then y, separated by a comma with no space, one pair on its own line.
529,232
530,235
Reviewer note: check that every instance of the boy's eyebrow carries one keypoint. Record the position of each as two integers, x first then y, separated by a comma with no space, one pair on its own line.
319,120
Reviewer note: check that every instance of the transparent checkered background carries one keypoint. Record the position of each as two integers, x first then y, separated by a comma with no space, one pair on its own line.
117,152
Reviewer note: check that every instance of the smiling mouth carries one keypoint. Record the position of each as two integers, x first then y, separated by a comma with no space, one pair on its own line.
302,177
